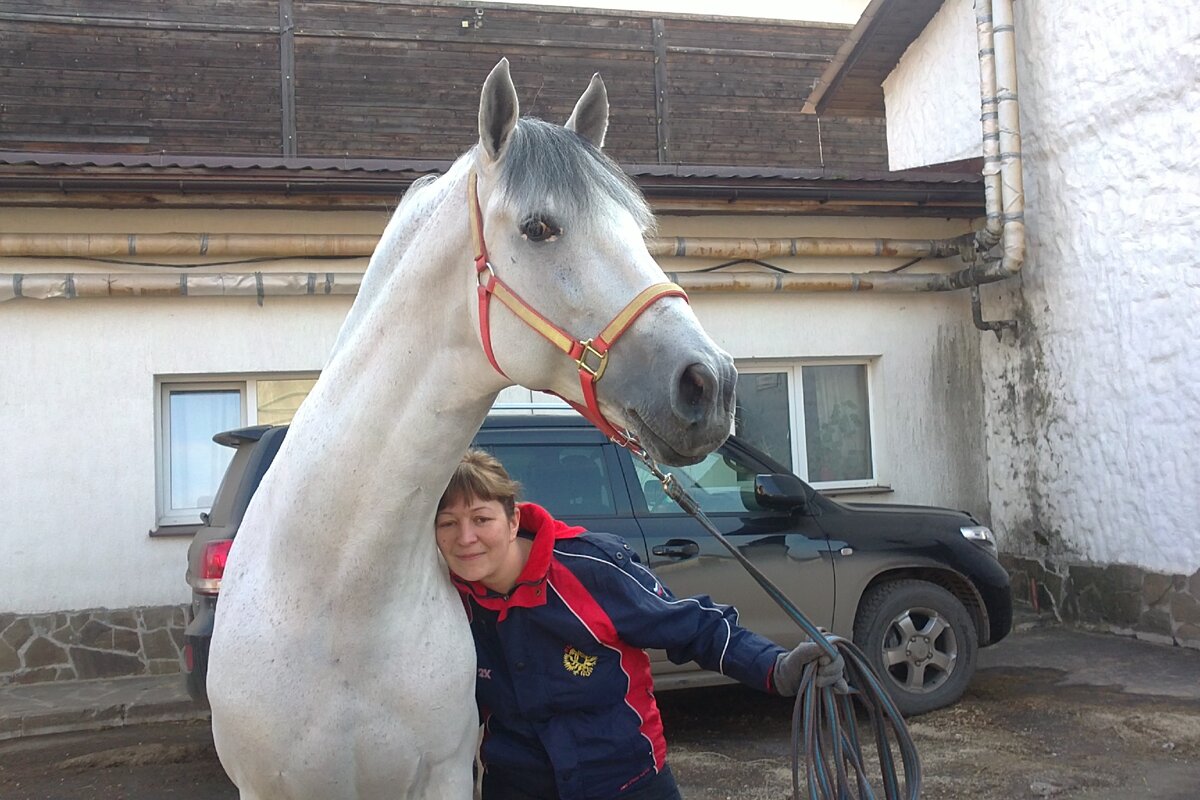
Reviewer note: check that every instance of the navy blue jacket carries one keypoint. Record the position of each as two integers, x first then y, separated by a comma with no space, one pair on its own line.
564,686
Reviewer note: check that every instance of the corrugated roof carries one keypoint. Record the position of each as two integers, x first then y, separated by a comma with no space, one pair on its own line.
342,166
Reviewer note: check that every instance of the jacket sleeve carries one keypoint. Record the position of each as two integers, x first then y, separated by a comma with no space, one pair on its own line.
647,615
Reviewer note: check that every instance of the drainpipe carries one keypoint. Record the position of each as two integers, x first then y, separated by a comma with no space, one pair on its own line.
1003,181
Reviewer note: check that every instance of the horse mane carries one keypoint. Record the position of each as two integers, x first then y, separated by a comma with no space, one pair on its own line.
546,167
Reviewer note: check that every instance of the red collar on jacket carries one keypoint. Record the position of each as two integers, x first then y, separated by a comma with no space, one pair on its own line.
530,590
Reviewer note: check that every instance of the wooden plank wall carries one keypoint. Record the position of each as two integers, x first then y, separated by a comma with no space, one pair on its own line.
139,76
381,79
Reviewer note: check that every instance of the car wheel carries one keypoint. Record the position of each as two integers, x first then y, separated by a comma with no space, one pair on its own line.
921,642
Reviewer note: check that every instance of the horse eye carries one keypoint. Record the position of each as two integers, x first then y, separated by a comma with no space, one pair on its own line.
538,230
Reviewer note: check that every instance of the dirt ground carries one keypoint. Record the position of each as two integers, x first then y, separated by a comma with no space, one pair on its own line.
1020,732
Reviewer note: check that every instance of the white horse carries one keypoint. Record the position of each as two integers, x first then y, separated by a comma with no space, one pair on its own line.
341,664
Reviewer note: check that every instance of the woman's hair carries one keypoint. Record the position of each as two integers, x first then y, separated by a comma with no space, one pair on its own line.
481,476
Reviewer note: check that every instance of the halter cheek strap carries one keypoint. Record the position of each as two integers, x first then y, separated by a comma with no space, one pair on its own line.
590,355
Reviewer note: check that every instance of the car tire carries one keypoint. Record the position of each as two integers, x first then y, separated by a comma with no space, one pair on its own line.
921,642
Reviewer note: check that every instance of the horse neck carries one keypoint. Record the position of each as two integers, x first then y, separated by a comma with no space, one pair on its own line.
405,390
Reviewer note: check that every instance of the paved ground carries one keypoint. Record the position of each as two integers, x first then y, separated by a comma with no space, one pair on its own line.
1052,713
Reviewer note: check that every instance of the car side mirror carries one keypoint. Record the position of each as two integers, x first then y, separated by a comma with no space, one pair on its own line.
780,491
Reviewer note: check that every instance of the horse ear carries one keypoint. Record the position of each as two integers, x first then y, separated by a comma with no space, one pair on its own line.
590,117
498,110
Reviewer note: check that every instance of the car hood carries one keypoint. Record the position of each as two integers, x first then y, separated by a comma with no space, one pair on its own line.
901,509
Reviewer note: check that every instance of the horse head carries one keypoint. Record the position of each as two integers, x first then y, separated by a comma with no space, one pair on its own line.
562,228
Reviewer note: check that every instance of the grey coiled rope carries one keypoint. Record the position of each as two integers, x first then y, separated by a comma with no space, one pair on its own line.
833,763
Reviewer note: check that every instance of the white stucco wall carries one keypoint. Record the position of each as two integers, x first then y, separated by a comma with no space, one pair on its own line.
932,96
1092,432
77,388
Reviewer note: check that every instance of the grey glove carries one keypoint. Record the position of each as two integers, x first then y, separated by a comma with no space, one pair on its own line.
789,669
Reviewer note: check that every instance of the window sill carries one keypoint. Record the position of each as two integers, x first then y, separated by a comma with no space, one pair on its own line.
165,531
852,490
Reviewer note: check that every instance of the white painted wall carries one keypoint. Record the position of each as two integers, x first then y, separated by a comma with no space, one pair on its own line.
932,96
1093,433
77,388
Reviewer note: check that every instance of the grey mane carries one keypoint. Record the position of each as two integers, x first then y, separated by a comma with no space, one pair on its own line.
548,167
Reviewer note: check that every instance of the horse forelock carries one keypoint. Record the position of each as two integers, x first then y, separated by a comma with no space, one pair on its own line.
548,167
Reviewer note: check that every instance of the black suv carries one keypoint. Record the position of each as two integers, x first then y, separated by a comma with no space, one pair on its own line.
918,588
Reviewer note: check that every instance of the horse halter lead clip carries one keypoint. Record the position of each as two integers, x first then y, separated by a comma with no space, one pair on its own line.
590,355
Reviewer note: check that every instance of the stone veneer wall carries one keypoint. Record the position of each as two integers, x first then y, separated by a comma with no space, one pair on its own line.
1116,597
93,643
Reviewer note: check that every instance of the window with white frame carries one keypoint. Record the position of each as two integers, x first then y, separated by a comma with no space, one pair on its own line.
814,417
191,411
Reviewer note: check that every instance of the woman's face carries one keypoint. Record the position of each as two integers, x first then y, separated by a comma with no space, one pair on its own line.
477,540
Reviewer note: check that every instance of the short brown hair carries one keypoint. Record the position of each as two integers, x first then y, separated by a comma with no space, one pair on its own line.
481,476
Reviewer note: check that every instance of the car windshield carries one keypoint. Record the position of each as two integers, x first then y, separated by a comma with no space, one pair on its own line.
720,483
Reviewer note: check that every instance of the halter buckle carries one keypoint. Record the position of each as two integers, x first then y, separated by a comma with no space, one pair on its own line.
586,350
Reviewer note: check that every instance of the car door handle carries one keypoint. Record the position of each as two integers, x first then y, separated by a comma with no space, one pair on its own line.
676,548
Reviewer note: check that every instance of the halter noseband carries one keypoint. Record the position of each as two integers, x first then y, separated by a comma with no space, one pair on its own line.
589,355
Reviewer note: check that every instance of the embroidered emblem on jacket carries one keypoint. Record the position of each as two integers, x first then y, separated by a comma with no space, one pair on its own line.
577,663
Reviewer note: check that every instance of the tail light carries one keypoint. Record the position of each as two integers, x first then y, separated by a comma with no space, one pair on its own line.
212,566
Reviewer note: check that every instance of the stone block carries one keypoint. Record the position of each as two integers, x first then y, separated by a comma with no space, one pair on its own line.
121,618
79,619
1194,584
1156,620
1155,587
96,634
1189,634
156,617
1086,603
17,633
1122,608
44,653
40,675
126,641
163,666
9,660
1185,609
159,644
101,664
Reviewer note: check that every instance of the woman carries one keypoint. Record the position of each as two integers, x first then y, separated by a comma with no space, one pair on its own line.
561,617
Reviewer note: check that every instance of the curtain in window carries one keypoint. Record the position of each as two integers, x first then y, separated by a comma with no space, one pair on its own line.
197,462
837,423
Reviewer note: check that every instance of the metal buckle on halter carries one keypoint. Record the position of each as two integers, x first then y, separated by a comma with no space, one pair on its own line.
588,350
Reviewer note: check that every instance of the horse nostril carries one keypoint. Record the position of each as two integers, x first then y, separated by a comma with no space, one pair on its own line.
694,392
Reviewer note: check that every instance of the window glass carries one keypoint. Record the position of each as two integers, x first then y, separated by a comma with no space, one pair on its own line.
762,416
197,463
279,400
837,423
566,480
718,484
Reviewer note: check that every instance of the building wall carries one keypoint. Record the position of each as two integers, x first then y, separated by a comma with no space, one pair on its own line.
1091,429
933,126
78,399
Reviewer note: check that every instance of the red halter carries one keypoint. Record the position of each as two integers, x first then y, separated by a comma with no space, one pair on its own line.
589,355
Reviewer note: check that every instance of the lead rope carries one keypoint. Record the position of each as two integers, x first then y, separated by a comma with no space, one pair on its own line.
831,759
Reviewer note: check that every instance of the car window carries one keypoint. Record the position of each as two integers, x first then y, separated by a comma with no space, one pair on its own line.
567,480
719,484
221,512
